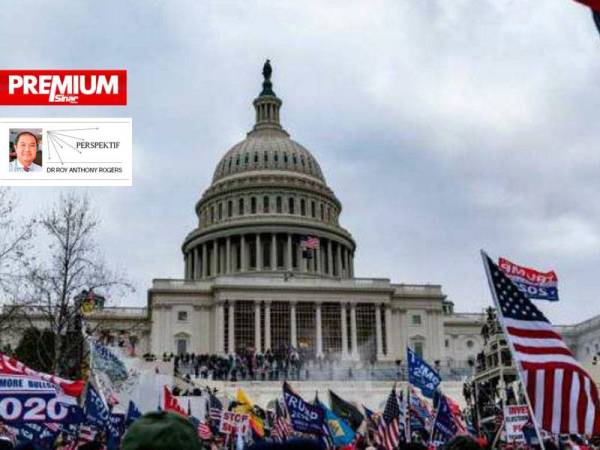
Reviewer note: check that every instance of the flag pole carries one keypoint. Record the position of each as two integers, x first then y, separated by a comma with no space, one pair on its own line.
484,257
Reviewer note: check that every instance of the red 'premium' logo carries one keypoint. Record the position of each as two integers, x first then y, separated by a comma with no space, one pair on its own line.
63,87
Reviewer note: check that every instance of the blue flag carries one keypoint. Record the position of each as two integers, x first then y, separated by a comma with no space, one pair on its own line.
305,418
132,413
421,375
340,432
98,415
444,427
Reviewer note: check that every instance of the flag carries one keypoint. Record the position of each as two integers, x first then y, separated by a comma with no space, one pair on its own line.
421,375
532,283
305,418
444,427
340,432
246,406
98,415
389,423
10,367
345,410
594,5
204,431
282,428
309,243
563,397
171,403
132,413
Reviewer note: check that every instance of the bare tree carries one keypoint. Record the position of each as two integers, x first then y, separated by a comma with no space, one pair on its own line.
74,264
15,258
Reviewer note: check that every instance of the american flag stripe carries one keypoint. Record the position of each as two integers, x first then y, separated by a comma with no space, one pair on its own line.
563,397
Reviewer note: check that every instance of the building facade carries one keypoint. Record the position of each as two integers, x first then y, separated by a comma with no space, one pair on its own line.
270,266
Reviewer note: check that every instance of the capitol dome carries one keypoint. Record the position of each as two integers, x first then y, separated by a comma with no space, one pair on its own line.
268,209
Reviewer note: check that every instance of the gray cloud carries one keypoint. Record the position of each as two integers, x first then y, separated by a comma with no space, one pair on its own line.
443,127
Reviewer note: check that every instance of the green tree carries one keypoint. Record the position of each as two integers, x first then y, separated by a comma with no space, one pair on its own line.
36,349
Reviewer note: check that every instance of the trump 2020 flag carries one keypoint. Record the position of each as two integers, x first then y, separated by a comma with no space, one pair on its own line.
421,375
305,418
444,427
532,283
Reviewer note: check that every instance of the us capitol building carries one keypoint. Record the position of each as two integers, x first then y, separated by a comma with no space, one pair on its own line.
270,266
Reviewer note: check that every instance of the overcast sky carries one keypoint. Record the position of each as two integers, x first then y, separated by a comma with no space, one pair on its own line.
442,126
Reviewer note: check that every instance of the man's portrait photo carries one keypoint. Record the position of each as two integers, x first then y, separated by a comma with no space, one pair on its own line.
25,150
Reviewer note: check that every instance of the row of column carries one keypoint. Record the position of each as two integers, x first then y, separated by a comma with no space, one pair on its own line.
220,256
347,353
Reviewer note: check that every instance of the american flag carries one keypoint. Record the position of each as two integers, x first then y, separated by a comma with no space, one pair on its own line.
309,243
282,427
563,396
86,434
388,424
204,431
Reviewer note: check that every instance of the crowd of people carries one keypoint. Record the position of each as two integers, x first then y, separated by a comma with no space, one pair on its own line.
285,363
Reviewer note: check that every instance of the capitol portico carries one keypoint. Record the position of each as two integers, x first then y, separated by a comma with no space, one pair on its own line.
252,281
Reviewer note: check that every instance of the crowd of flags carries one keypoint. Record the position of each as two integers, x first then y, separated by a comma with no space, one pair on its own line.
561,396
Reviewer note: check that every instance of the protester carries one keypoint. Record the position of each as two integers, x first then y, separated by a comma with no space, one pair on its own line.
161,430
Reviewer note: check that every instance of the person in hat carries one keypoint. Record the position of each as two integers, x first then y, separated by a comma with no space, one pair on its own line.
161,430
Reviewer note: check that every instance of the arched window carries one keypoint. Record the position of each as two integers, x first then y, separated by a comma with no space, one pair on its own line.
285,158
276,157
294,159
220,211
253,205
256,157
212,214
266,204
229,208
237,161
241,207
278,205
291,205
328,214
302,207
322,211
313,208
266,157
246,158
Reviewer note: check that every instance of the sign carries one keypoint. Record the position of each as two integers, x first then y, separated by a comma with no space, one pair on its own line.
236,423
515,417
36,408
63,87
532,283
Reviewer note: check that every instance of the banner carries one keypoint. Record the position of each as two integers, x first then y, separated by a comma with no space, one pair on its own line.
515,417
421,375
532,283
16,408
232,422
11,367
305,418
444,427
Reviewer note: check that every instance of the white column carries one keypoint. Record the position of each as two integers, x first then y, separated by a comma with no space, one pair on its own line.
293,329
344,331
257,333
354,335
319,330
318,262
388,330
274,251
243,262
215,258
378,334
197,264
339,260
204,261
228,255
231,327
267,325
329,258
219,329
259,253
288,259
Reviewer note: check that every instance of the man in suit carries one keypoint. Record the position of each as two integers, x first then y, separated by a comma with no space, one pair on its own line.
26,144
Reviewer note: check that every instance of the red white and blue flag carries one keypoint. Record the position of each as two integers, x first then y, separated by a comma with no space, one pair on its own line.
534,284
563,397
309,243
